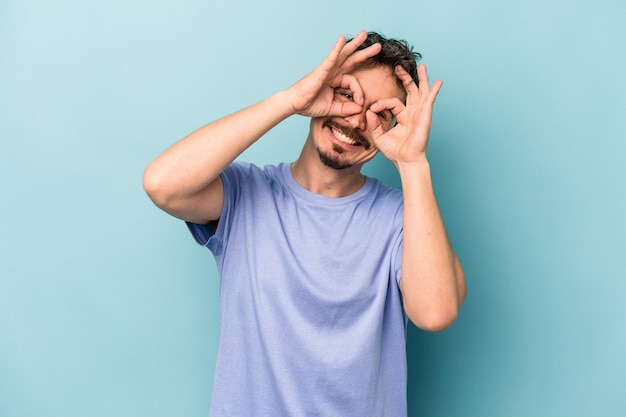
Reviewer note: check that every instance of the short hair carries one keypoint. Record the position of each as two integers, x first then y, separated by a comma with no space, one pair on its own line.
394,52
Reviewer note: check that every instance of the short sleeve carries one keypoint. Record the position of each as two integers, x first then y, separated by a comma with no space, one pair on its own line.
233,177
396,258
202,233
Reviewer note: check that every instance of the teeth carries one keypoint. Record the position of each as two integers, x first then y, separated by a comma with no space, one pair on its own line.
343,137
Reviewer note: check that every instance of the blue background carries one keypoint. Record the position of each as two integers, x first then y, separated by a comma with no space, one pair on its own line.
108,307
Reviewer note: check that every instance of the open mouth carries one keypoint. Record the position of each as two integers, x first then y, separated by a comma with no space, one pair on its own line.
343,138
347,135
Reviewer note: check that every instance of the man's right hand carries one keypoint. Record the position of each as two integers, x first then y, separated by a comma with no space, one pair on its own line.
314,95
184,180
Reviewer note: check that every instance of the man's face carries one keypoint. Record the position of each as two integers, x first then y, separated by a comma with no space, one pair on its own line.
343,142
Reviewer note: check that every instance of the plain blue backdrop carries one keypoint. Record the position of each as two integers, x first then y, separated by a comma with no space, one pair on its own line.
108,307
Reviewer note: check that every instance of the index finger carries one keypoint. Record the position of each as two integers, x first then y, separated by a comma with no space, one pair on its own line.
347,106
351,55
344,55
423,89
409,84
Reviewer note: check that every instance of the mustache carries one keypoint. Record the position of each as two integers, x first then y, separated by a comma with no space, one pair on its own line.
348,131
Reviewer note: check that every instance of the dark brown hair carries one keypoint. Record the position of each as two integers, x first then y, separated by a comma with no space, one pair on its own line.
393,52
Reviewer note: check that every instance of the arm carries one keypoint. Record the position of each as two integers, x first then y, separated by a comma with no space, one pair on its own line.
184,180
432,283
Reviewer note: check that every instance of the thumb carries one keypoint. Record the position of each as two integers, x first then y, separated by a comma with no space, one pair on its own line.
373,125
344,109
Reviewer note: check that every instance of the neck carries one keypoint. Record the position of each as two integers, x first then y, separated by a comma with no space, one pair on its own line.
320,179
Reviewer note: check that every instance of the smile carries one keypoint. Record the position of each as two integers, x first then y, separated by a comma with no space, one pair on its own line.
343,138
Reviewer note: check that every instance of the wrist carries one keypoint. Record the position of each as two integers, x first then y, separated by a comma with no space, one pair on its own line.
415,165
282,100
412,170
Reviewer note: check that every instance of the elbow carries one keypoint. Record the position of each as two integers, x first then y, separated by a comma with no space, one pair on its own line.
154,187
433,319
432,309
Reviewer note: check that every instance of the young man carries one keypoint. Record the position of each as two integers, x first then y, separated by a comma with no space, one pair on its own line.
319,265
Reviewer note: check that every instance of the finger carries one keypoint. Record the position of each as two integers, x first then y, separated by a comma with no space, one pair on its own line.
423,90
351,55
434,91
361,55
407,81
349,48
343,54
347,108
350,83
422,77
343,106
333,56
374,125
431,91
393,104
383,115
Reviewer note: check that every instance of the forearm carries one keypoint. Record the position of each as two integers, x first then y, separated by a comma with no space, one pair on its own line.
432,283
193,163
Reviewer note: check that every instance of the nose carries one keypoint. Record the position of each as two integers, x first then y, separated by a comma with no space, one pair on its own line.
356,121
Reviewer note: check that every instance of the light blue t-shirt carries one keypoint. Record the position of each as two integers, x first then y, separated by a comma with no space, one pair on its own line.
311,317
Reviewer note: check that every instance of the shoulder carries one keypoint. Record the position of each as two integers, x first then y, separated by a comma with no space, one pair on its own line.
246,175
248,168
387,201
384,194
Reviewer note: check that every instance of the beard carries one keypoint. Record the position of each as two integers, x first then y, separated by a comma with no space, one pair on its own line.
332,160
